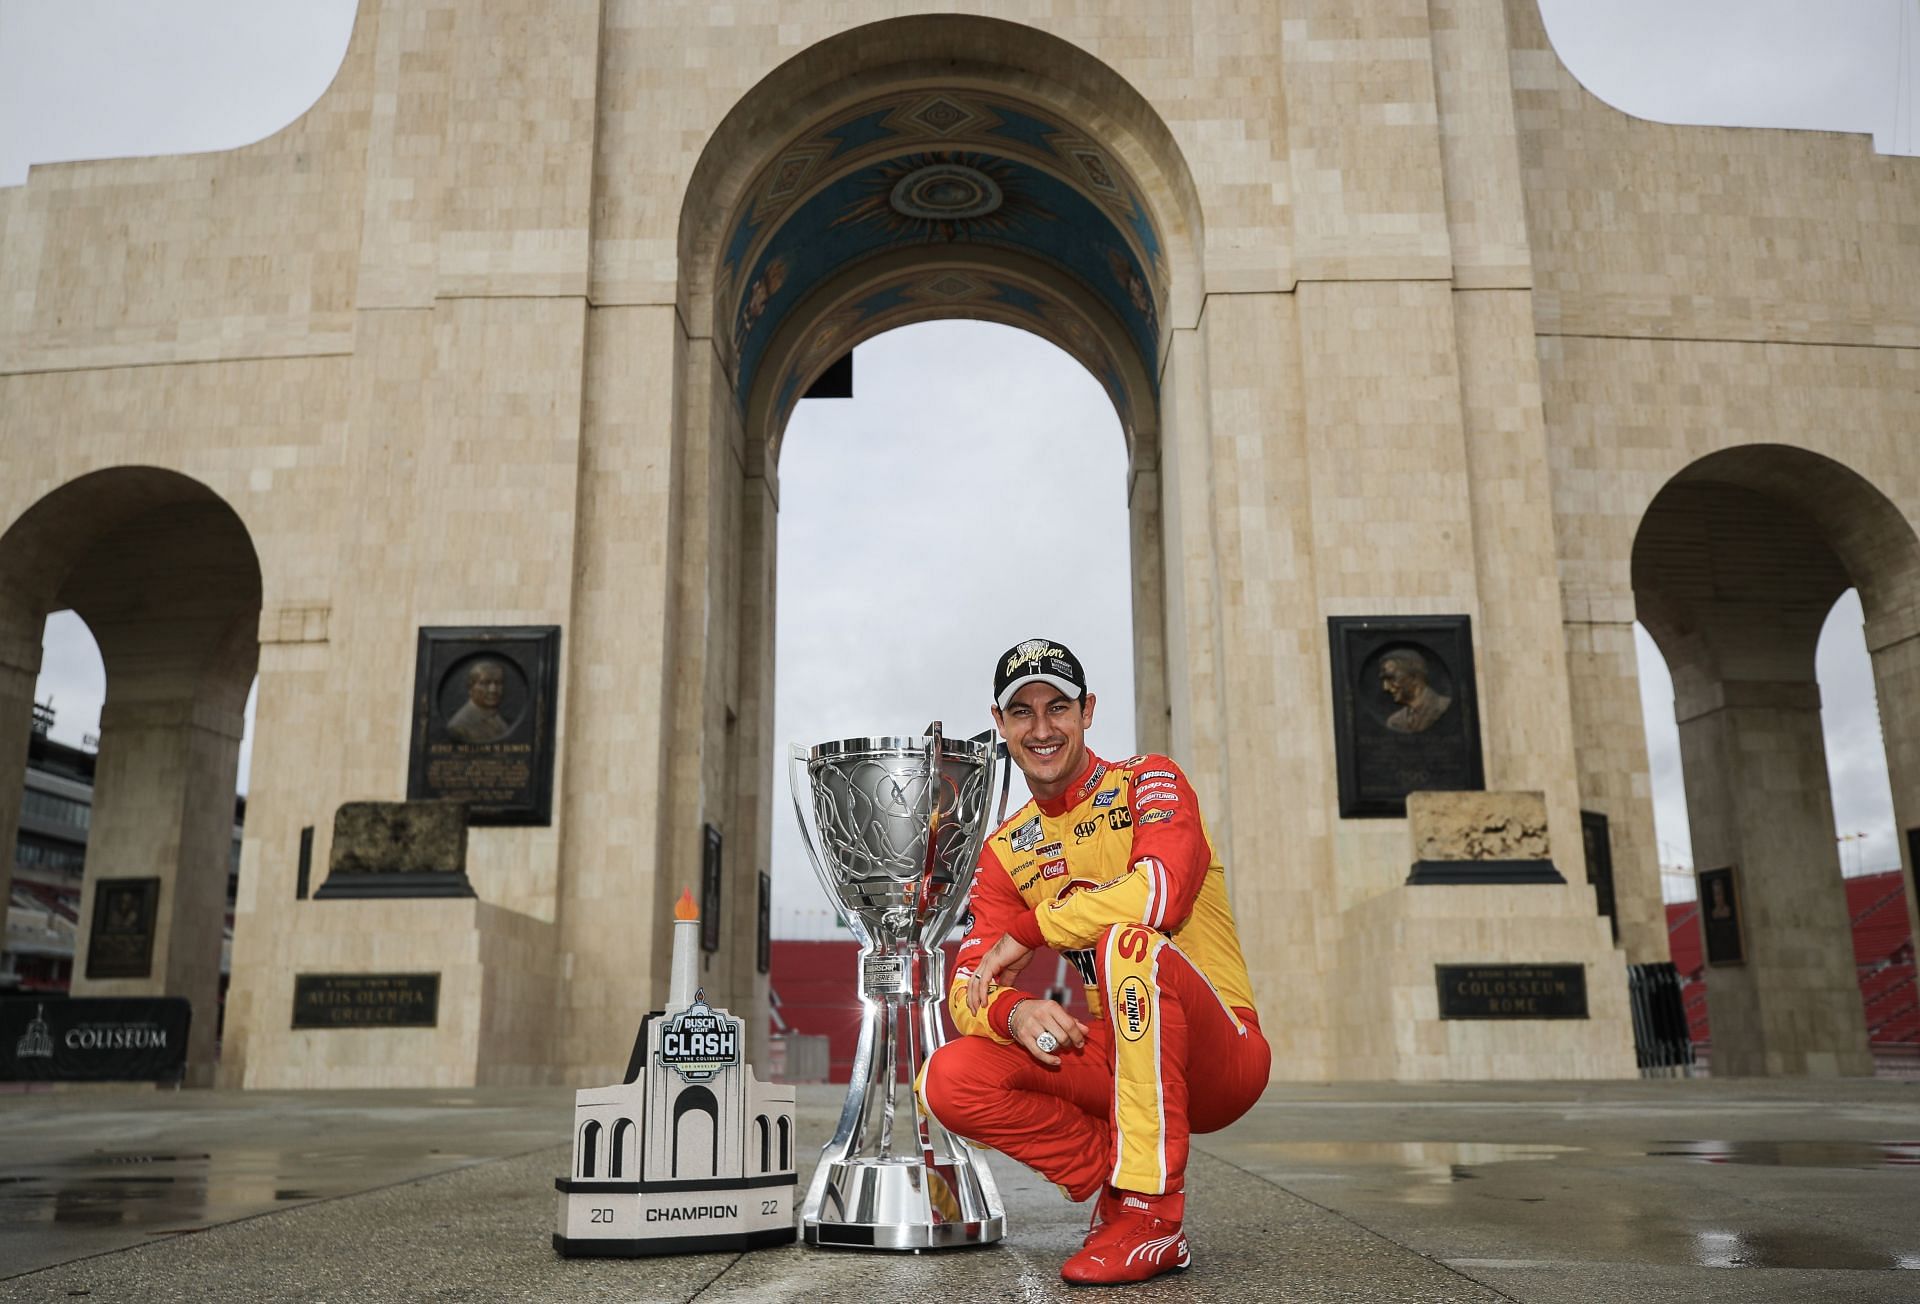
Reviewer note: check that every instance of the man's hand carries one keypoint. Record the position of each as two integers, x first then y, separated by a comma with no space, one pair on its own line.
1004,956
1033,1016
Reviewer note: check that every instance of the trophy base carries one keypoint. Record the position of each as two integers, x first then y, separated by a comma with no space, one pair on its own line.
904,1236
899,1204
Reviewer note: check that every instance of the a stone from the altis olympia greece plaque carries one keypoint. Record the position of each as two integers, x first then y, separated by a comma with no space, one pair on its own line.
692,1154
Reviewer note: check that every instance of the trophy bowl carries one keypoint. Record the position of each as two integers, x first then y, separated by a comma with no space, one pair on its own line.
896,829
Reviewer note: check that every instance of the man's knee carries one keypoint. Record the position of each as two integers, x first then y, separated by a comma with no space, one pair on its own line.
957,1083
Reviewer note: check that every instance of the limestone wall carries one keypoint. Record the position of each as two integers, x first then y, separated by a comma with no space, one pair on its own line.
1439,326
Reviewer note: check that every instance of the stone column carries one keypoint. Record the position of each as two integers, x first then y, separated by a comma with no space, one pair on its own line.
1610,748
1895,646
1757,799
163,808
16,718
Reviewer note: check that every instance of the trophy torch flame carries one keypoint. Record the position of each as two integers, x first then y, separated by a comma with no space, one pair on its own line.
684,984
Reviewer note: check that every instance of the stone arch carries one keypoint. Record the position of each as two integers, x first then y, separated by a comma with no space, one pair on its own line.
1036,128
920,50
1736,564
165,575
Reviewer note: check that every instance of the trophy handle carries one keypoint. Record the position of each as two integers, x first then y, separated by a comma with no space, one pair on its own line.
797,781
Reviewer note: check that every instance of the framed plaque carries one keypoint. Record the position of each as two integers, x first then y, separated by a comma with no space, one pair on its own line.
484,708
1596,833
1406,714
366,1000
1721,934
121,942
763,937
1512,991
710,890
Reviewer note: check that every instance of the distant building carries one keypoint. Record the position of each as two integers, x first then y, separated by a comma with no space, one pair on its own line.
49,860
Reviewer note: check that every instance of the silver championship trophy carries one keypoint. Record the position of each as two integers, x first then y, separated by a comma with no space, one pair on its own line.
900,823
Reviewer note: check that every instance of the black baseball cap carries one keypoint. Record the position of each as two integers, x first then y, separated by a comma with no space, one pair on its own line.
1037,658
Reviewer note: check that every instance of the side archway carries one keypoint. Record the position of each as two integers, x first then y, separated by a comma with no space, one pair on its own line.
165,575
1736,564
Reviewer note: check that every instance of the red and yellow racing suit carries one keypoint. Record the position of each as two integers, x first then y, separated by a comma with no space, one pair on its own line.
1118,874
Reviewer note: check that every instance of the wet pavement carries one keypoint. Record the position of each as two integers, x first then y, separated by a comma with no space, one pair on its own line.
1649,1192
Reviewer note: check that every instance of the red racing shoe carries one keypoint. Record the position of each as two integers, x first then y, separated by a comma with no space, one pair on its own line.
1134,1237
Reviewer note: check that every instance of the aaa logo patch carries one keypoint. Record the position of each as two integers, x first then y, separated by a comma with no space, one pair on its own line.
1133,1007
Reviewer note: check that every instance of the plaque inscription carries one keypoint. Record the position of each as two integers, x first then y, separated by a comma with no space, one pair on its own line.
366,1000
1512,991
484,708
1405,710
124,913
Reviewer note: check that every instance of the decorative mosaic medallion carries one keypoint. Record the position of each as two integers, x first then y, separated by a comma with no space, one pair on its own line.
945,192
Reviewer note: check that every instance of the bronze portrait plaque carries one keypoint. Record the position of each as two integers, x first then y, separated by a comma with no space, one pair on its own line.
1721,934
1405,710
124,914
484,707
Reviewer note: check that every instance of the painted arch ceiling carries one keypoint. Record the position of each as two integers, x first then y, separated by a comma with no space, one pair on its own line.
962,175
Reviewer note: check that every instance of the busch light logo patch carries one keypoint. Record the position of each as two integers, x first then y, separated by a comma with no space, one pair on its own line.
699,1041
1027,836
1104,799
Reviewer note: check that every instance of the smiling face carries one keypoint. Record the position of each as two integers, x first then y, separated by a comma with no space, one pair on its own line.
1046,734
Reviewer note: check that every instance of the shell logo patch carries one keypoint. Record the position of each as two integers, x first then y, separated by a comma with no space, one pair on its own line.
1133,1007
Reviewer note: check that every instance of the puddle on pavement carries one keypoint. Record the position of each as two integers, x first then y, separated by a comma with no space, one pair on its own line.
1800,1248
1532,1190
183,1192
1793,1154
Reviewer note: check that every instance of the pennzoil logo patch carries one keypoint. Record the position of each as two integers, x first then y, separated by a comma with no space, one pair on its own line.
1133,1007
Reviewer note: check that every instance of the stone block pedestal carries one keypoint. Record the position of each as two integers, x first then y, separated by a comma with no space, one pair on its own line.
497,987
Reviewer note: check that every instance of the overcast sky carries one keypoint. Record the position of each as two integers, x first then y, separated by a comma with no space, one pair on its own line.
951,412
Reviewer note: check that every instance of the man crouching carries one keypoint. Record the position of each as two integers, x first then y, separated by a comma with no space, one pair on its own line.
1111,865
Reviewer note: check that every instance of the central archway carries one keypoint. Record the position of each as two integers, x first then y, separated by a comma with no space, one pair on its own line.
912,170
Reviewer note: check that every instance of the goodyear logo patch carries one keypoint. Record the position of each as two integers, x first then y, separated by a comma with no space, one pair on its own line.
1133,1007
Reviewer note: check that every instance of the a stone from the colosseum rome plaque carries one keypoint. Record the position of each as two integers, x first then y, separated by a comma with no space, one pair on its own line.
1405,713
484,702
1512,991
